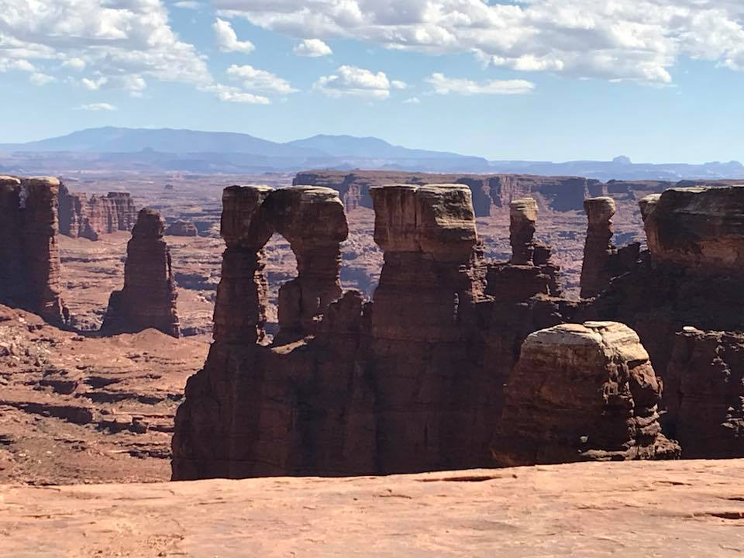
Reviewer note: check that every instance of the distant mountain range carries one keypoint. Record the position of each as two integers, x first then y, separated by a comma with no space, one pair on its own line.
158,150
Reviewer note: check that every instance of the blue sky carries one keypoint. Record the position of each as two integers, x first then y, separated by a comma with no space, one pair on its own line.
657,80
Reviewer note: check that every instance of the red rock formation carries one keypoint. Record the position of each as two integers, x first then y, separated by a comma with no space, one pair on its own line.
487,191
148,299
581,393
30,271
89,218
182,228
394,385
706,406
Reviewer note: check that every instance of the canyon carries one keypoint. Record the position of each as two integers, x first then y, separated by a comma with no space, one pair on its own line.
421,357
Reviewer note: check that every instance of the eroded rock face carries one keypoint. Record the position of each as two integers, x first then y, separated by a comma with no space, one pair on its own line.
698,228
705,393
182,228
398,384
581,393
80,216
530,271
148,299
30,270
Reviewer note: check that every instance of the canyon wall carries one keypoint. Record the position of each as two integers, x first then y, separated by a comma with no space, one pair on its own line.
80,216
488,191
148,299
29,252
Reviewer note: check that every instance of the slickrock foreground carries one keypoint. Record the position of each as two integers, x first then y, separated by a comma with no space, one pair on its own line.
148,299
663,509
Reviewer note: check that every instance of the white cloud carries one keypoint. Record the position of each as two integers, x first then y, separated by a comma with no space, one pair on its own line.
187,5
235,95
620,40
356,82
312,48
412,101
106,37
397,84
227,40
38,78
444,85
259,80
94,84
21,65
98,107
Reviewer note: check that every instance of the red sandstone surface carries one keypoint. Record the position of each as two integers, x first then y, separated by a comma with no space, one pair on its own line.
680,509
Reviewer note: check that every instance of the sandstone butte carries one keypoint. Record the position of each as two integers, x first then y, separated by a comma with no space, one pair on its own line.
428,374
148,299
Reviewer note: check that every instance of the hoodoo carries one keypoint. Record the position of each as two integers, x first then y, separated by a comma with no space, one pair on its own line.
148,299
29,252
581,393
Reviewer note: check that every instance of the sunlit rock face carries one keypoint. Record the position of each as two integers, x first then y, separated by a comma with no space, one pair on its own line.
582,393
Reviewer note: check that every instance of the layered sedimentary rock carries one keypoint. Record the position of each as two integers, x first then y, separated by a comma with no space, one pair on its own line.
689,276
561,193
80,216
705,383
581,393
148,299
182,228
29,253
530,271
398,384
603,261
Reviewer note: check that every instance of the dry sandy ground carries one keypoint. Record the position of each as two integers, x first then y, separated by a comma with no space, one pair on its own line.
659,509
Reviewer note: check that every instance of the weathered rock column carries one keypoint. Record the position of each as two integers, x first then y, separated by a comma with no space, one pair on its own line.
598,249
313,221
13,266
30,265
148,299
427,234
523,217
242,295
581,393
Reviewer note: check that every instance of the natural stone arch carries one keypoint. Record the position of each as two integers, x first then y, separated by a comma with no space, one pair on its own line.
313,221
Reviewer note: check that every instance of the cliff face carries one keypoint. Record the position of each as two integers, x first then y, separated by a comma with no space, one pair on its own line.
487,191
413,380
82,217
148,299
691,276
29,253
398,384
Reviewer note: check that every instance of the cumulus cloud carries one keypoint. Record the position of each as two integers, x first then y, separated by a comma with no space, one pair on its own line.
235,95
259,80
97,107
355,82
412,101
227,39
187,5
312,48
444,85
38,78
620,40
